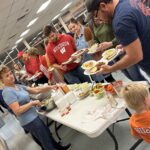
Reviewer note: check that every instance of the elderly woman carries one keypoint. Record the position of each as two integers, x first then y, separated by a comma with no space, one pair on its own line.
17,98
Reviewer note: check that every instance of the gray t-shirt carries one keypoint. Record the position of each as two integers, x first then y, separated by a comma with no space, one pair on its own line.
21,96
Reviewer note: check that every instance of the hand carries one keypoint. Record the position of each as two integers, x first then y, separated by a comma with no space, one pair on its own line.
74,58
120,47
105,69
36,103
63,67
105,45
54,87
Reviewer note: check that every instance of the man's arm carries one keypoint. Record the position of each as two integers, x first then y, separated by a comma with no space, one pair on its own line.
133,55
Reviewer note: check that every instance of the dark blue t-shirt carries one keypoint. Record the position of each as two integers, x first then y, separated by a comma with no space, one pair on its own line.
132,21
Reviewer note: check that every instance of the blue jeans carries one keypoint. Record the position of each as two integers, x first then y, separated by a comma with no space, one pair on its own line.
41,132
133,73
76,76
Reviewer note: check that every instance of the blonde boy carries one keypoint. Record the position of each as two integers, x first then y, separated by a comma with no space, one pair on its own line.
137,97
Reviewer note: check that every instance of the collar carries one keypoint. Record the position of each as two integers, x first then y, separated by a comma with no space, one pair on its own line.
81,32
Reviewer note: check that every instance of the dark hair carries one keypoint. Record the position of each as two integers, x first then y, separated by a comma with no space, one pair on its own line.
93,5
48,29
72,20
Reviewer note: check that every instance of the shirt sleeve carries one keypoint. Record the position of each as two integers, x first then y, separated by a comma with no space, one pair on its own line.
9,96
125,30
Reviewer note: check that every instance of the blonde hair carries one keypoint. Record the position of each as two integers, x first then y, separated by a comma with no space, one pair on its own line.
3,69
134,95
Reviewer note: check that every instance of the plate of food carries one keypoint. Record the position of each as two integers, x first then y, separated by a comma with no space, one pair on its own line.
110,54
96,68
34,76
93,49
67,62
79,52
88,64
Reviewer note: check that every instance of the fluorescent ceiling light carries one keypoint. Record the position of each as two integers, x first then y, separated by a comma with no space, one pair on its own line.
14,47
66,6
43,6
24,33
56,17
32,22
19,41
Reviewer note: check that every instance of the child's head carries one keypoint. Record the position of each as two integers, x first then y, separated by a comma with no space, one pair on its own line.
136,96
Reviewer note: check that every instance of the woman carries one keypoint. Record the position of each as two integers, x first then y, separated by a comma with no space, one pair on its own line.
83,39
20,73
80,33
17,98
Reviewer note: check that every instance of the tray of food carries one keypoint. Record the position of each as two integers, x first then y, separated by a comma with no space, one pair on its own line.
98,91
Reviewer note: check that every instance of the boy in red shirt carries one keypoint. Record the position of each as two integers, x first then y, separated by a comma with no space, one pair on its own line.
59,50
137,98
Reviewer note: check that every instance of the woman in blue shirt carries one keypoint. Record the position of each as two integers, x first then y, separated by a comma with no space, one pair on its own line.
17,98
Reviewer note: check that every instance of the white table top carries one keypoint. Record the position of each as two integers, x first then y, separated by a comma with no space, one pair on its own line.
77,120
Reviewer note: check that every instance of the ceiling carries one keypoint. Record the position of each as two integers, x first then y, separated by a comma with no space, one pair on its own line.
15,15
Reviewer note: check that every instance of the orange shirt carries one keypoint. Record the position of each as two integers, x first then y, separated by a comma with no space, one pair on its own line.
140,125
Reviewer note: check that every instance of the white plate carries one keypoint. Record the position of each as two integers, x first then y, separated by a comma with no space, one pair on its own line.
87,72
94,47
118,52
93,61
78,53
67,62
34,76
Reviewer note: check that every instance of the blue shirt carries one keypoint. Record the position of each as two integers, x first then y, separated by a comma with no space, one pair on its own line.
21,96
80,41
132,21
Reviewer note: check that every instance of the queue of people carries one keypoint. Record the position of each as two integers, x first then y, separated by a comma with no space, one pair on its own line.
109,25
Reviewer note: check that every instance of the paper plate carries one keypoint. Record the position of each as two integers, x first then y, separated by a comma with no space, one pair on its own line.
88,64
113,57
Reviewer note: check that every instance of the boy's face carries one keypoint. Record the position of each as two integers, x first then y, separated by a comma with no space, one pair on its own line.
53,37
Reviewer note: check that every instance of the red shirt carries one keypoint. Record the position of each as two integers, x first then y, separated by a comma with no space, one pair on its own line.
61,50
33,66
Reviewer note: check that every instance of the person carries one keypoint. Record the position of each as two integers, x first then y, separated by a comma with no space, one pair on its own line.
82,34
53,76
137,97
103,35
17,98
32,66
59,50
130,21
20,73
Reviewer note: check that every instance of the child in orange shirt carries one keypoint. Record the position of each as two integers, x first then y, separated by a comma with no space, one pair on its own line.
137,97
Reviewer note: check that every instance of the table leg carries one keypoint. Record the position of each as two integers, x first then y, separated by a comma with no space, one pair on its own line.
128,112
56,131
136,144
113,137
